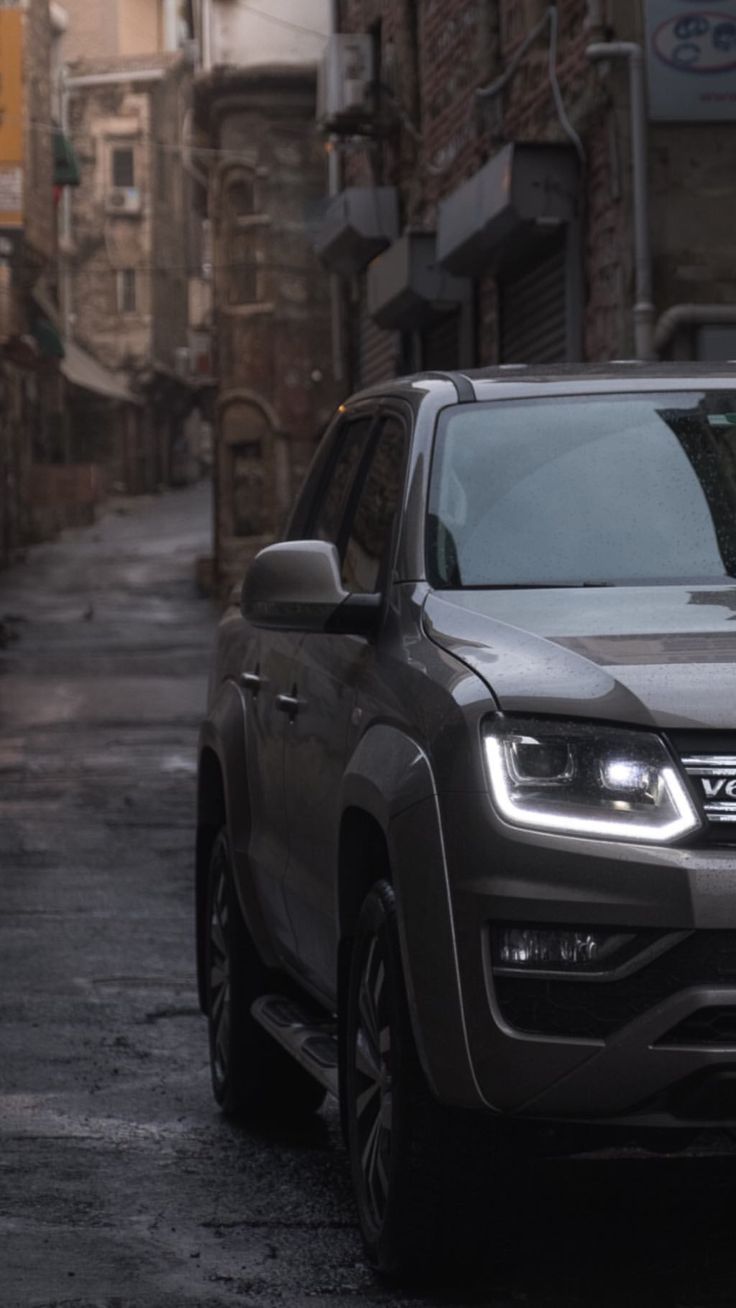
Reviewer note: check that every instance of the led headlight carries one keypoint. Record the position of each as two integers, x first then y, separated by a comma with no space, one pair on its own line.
586,780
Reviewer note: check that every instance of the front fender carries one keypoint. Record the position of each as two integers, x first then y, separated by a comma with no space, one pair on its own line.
390,777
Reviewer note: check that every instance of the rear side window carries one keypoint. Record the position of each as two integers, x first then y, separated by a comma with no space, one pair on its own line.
332,502
370,529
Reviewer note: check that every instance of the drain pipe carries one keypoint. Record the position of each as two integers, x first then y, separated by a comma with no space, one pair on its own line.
334,176
686,315
643,306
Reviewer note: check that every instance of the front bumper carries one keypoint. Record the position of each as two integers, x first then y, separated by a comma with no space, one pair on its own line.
656,1047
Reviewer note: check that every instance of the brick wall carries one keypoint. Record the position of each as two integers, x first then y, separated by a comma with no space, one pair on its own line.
462,45
437,53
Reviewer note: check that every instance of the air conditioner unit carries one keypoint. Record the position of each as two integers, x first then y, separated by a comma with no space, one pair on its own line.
124,200
345,85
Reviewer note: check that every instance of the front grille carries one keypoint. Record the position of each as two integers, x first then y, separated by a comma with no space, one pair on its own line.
714,778
709,759
588,1010
713,1027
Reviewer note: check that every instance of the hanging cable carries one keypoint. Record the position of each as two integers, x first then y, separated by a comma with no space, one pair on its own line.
551,21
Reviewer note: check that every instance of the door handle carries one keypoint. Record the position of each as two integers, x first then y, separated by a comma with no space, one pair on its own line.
251,681
288,704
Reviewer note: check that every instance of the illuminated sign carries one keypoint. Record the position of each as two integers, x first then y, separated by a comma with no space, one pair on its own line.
691,60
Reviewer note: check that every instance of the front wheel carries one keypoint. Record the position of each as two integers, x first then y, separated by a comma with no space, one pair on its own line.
421,1171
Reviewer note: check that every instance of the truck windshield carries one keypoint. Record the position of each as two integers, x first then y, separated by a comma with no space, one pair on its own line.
595,490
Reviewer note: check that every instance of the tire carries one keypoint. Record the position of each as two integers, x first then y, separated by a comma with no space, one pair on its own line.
251,1074
420,1170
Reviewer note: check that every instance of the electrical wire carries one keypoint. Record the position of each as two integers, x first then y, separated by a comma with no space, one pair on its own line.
565,123
551,20
187,147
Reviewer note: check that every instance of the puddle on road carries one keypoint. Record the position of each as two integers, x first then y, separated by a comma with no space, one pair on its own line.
179,763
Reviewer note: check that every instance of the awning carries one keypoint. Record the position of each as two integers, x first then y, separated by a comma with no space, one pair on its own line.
359,223
66,165
515,200
48,340
406,288
81,370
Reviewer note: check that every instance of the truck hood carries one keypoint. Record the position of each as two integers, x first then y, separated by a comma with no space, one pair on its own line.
649,655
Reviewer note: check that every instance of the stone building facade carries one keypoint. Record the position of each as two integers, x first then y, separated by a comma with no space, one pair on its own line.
272,322
129,255
504,151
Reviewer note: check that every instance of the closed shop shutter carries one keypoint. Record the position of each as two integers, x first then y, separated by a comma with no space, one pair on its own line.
378,352
534,313
441,344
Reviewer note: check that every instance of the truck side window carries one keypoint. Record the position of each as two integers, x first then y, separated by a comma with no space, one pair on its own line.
329,511
369,533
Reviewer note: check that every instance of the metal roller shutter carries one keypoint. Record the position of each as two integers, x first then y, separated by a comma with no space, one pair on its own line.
378,351
441,344
534,313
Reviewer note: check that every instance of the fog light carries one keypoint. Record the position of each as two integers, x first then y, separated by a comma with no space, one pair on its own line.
556,949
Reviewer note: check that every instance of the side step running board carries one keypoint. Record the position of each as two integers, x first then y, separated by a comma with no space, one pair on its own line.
310,1040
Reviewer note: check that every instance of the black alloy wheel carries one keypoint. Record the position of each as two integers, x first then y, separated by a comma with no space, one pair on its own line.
373,1087
251,1074
420,1170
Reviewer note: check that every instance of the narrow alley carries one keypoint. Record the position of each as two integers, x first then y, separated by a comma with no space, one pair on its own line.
121,1186
119,1181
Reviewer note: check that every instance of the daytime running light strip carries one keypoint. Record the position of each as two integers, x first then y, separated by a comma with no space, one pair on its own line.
685,821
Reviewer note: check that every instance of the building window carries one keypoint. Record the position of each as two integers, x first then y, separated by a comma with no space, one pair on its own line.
242,284
241,197
123,166
162,171
127,290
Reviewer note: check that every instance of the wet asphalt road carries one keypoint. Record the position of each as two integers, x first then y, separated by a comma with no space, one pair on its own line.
120,1185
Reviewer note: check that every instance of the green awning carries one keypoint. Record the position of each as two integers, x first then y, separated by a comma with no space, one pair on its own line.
66,166
48,340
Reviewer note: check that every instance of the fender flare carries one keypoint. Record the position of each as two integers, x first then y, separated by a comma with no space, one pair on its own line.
390,777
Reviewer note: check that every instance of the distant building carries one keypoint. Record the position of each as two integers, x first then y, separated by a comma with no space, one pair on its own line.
131,240
103,29
255,110
488,206
33,168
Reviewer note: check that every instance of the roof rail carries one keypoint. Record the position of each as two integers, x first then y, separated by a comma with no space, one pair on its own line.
462,384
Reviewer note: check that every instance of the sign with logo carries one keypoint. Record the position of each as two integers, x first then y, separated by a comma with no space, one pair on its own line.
715,777
691,60
11,117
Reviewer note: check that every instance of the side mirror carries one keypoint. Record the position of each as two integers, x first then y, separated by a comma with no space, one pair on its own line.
296,586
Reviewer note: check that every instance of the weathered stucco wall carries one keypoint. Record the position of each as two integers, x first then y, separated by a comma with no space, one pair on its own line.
105,243
272,308
244,37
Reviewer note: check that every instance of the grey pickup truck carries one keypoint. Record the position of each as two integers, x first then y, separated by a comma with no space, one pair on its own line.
466,848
